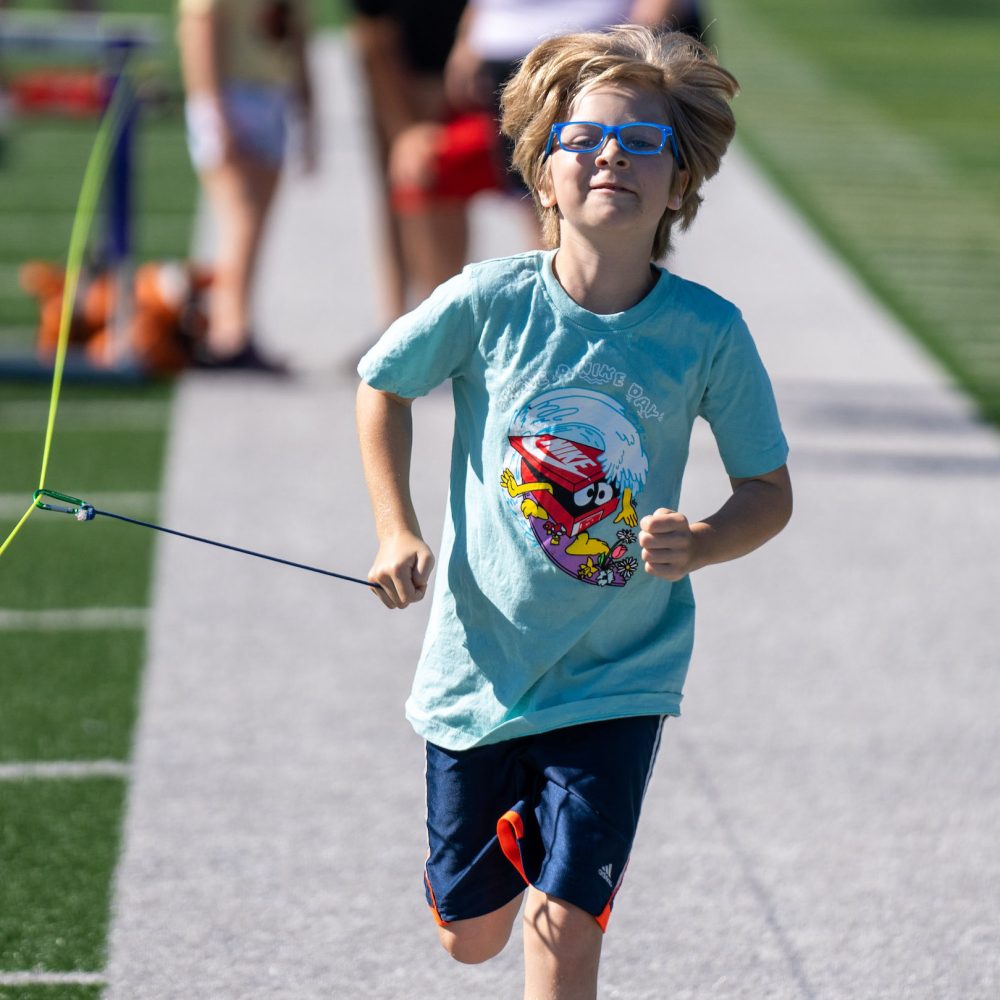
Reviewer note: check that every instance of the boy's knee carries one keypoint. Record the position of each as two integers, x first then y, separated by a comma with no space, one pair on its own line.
472,949
480,938
561,928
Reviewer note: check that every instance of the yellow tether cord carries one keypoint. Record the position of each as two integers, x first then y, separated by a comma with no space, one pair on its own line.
86,209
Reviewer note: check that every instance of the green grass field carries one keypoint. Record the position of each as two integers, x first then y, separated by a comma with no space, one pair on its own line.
70,689
881,121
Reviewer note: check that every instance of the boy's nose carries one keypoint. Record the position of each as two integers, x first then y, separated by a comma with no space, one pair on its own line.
611,152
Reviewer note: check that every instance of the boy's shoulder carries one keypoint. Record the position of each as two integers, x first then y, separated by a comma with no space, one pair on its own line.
509,274
700,303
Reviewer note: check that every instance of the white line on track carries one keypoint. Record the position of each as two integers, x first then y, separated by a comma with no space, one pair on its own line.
52,979
60,620
59,770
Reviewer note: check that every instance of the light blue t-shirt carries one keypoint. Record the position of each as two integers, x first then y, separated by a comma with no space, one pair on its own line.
569,427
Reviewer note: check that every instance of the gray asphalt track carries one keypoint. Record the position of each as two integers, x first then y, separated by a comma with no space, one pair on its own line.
823,821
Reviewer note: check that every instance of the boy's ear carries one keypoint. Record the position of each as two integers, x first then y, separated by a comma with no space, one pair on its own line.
546,193
680,188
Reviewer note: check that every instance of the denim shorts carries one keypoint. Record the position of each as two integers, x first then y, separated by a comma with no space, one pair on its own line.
257,116
557,811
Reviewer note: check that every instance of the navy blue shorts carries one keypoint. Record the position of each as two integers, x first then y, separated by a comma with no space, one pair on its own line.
557,811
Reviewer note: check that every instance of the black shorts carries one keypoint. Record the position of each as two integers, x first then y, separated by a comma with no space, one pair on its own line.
557,811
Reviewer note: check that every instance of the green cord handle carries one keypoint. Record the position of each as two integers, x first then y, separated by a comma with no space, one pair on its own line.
82,510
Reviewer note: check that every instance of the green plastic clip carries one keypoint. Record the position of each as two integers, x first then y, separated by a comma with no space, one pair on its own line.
81,510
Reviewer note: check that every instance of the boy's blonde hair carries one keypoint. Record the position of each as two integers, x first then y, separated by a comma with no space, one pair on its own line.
695,89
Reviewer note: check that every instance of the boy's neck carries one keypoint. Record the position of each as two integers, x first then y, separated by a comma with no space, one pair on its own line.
603,281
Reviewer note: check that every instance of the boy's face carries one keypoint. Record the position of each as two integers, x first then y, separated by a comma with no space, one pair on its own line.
610,192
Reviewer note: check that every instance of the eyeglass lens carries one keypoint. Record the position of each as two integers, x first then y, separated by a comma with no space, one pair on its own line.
583,137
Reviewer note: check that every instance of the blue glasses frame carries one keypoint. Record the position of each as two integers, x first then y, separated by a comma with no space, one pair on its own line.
666,135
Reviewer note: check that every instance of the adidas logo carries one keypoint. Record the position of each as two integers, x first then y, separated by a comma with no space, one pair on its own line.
605,872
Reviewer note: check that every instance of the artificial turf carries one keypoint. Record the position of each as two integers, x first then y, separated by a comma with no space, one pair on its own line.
86,459
72,694
59,706
59,841
56,562
881,121
105,441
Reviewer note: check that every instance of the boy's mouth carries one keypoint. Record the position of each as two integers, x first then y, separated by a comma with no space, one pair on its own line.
611,186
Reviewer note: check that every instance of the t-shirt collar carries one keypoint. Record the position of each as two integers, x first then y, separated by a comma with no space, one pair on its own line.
606,322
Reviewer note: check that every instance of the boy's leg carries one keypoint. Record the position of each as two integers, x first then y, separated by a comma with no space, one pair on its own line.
479,939
562,950
473,890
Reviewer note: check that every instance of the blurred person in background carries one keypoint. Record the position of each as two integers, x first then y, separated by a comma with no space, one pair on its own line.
245,74
402,48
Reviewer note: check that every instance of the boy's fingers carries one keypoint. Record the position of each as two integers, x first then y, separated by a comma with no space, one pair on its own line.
387,588
666,544
650,542
664,557
406,591
422,569
402,583
660,517
663,529
381,591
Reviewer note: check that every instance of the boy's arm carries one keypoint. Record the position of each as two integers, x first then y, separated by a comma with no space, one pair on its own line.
385,432
757,510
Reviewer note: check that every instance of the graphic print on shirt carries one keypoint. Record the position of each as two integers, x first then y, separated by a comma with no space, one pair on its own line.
575,459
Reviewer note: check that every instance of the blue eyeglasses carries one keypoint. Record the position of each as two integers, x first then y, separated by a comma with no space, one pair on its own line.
638,138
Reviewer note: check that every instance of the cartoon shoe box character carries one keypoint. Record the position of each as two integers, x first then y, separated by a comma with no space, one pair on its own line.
573,489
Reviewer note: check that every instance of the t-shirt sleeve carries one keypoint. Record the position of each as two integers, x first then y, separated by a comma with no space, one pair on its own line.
427,346
739,405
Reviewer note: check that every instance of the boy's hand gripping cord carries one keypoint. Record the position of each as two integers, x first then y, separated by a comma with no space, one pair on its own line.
84,511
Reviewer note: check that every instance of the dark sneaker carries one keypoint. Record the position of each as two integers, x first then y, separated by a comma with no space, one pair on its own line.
247,359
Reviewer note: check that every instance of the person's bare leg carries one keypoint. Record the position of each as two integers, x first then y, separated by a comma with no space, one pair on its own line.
241,197
262,181
393,271
435,244
393,277
480,938
398,97
562,950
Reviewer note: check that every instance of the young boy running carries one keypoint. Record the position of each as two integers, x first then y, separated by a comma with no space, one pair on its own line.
562,620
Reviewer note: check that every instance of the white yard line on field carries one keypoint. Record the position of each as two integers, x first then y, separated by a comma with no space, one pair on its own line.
96,414
52,979
71,619
133,502
59,770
